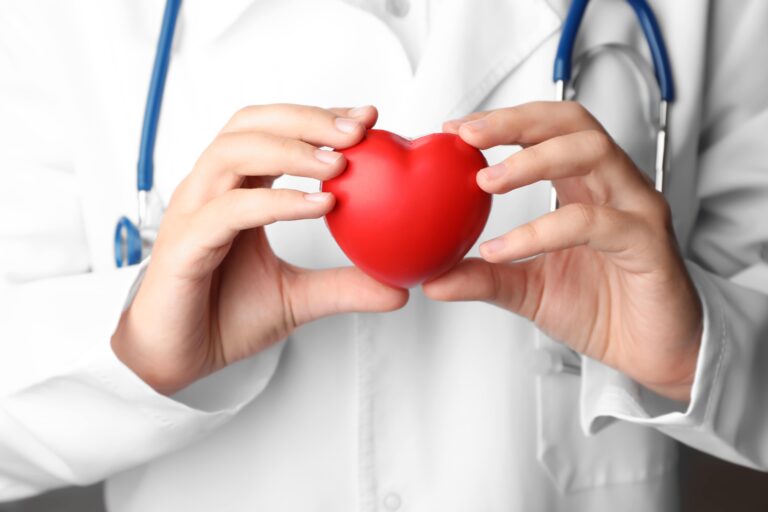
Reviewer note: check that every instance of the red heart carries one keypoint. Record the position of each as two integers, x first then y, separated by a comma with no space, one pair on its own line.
406,210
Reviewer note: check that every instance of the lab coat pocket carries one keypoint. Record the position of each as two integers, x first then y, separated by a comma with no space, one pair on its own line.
618,454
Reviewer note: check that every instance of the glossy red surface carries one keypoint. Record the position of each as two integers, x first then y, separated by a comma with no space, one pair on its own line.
406,210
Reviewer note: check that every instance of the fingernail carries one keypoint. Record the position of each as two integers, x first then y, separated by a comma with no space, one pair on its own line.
493,246
493,171
476,125
318,197
359,111
327,156
346,125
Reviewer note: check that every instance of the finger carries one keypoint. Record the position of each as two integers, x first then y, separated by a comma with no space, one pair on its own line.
235,155
219,221
526,124
470,279
339,128
590,153
367,114
315,294
600,227
514,286
452,125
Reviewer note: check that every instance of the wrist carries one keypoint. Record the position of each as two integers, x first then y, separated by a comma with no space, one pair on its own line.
679,388
127,345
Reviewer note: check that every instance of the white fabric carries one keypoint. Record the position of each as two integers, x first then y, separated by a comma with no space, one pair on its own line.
435,407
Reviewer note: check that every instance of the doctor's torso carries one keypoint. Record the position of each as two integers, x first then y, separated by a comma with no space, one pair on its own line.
434,407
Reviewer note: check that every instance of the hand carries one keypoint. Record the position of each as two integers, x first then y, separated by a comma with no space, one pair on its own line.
214,292
609,280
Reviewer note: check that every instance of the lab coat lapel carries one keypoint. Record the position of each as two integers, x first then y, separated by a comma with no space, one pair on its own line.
472,47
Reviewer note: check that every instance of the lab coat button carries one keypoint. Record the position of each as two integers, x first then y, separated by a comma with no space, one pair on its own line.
398,8
392,501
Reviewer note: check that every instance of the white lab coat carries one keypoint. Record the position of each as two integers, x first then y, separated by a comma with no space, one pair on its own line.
435,407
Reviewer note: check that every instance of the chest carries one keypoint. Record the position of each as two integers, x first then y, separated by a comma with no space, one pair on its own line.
294,52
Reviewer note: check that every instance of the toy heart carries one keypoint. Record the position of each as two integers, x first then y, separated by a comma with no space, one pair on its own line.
406,210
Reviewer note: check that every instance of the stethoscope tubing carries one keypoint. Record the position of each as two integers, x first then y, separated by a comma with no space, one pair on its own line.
563,71
650,26
132,242
146,165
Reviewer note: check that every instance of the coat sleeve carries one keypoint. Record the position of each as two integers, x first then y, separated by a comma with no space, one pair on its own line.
728,412
70,411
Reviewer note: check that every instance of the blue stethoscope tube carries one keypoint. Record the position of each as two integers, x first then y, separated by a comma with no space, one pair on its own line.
130,241
663,70
146,166
564,57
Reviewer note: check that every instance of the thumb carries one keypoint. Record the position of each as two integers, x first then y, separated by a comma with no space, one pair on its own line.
315,294
512,286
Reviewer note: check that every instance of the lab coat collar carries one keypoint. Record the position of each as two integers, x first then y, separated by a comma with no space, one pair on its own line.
473,46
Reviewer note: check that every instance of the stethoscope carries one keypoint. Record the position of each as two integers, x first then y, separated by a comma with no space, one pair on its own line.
133,242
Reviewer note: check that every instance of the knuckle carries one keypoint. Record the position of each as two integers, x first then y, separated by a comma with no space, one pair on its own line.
506,117
598,142
285,146
518,169
263,143
233,200
504,121
503,112
220,153
278,196
178,194
222,145
187,239
298,154
243,113
530,156
247,115
507,166
572,108
586,213
243,205
339,111
531,231
254,197
579,111
277,203
311,121
301,113
247,110
225,139
308,113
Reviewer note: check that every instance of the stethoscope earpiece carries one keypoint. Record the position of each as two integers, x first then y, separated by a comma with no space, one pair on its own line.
127,243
